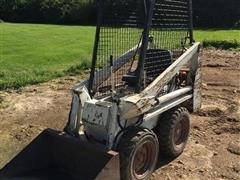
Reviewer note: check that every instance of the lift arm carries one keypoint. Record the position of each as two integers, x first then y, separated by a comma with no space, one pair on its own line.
138,104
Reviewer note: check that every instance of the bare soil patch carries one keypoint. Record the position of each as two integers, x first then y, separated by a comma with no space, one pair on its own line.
214,143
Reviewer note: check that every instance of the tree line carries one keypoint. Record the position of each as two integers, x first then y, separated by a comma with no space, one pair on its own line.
207,13
216,13
48,11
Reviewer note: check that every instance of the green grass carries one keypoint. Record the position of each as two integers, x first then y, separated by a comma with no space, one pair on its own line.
36,53
31,53
217,34
217,38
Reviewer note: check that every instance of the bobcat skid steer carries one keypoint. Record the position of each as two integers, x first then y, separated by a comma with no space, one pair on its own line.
145,79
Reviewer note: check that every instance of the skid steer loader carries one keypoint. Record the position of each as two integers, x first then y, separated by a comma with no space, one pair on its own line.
145,79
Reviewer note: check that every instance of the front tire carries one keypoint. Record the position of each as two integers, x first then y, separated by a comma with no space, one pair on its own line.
173,132
138,149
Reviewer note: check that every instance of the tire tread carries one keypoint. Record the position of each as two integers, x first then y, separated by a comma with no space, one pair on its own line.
164,129
126,146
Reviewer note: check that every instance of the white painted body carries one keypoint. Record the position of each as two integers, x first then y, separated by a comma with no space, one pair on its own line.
103,120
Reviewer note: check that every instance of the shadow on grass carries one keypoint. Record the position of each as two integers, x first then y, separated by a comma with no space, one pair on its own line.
225,45
217,29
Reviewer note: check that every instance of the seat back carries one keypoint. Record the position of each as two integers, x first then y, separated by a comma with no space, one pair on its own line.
157,61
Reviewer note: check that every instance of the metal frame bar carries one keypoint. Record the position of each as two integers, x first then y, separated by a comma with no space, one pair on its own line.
95,49
151,119
138,104
190,21
147,24
149,9
172,70
117,63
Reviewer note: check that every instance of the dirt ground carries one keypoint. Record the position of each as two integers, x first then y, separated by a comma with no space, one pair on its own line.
213,151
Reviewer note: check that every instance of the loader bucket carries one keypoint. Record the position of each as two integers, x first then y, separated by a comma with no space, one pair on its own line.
53,155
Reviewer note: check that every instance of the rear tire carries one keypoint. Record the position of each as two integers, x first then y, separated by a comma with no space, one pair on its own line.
173,131
138,149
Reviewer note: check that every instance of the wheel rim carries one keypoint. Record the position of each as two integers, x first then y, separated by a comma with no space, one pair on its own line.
143,160
181,131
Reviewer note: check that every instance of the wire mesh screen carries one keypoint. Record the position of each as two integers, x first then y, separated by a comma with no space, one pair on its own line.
121,31
120,36
156,62
171,25
168,35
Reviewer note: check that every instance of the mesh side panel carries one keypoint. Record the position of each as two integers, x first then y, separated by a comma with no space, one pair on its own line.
120,34
170,25
157,60
169,32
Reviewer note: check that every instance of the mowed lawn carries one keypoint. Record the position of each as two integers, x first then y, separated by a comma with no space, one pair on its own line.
217,35
31,53
35,53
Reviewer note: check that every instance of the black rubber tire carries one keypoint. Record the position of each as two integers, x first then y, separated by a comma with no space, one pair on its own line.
168,131
129,147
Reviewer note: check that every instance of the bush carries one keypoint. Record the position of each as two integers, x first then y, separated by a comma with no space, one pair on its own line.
207,13
216,13
221,44
68,11
49,11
